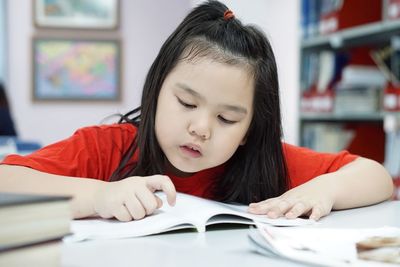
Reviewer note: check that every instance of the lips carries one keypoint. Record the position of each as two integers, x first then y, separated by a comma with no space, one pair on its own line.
191,150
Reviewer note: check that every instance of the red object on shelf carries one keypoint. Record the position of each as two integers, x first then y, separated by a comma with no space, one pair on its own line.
393,9
391,98
351,13
313,101
396,182
364,135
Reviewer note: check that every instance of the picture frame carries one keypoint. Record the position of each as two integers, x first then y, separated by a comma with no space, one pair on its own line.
76,69
78,14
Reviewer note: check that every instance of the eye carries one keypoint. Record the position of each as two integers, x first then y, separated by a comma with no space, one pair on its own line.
222,119
186,105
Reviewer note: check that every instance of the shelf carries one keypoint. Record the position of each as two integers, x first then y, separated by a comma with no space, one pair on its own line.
365,34
330,117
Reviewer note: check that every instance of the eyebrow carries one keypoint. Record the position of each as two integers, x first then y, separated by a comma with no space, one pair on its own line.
196,94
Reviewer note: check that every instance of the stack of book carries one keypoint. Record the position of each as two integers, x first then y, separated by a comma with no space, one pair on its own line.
31,229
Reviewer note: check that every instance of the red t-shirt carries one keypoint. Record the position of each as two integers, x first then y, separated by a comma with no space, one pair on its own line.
95,152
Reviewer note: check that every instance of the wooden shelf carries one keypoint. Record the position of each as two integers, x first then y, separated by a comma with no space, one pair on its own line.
365,34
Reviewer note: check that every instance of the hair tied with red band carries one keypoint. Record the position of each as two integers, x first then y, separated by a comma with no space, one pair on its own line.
228,14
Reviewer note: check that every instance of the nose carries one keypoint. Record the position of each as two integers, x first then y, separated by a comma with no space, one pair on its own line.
201,128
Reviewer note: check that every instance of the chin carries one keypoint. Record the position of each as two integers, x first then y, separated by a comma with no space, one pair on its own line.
185,169
181,168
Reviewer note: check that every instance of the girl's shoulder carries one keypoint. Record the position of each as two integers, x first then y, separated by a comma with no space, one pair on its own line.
111,128
121,134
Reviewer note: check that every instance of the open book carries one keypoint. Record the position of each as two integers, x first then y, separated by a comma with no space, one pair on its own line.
189,212
324,246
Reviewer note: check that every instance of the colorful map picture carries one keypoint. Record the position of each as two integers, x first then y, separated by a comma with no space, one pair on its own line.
76,69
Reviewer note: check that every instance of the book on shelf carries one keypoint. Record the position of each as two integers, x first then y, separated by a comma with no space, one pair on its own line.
190,212
31,225
327,246
330,138
337,15
358,100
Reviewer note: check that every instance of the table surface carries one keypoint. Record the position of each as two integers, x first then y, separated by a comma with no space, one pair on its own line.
220,246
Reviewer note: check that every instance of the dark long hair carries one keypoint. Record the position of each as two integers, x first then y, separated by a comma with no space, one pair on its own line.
257,170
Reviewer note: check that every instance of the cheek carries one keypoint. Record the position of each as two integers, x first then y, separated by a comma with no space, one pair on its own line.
227,143
167,123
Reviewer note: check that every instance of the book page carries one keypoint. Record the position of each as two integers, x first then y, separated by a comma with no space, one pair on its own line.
189,212
324,246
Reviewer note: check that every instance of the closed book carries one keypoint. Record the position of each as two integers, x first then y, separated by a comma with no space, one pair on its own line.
41,254
32,219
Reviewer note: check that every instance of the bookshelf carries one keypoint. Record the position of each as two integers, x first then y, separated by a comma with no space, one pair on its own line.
376,32
334,114
315,117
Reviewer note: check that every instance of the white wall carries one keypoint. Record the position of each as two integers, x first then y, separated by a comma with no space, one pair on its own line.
144,27
280,21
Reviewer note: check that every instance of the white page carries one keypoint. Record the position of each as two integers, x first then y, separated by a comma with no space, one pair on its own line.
324,246
189,212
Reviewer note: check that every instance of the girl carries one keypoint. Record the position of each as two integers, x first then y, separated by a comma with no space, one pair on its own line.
209,125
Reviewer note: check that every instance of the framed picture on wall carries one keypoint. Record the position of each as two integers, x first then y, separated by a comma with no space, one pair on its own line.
77,14
76,69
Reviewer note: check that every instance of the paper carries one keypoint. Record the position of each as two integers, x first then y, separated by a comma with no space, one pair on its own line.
189,212
321,246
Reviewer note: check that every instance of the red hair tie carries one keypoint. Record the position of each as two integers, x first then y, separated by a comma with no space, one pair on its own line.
228,14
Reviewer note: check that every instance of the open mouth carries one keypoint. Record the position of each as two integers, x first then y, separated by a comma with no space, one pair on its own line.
191,151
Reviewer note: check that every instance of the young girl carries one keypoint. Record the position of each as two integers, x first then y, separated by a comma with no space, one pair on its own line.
209,125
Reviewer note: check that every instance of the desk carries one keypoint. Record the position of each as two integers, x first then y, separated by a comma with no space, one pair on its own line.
218,247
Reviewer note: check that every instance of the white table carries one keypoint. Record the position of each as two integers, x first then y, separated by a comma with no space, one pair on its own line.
224,246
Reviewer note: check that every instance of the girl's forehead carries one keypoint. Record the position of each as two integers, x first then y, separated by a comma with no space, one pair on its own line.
220,67
213,79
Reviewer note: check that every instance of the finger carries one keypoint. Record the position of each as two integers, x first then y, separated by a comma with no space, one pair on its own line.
159,202
255,204
297,210
279,208
316,213
135,207
163,183
262,207
148,200
122,214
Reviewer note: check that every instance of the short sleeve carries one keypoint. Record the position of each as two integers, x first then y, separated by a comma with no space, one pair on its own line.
91,152
305,164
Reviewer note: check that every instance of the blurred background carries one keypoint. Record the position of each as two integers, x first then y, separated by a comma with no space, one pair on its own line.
66,64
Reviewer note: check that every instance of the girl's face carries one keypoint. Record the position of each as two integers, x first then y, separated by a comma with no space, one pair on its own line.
204,110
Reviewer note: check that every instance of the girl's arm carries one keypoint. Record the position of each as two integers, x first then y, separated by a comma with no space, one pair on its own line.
131,198
359,183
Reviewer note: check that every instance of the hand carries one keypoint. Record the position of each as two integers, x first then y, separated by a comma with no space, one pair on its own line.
132,198
314,199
